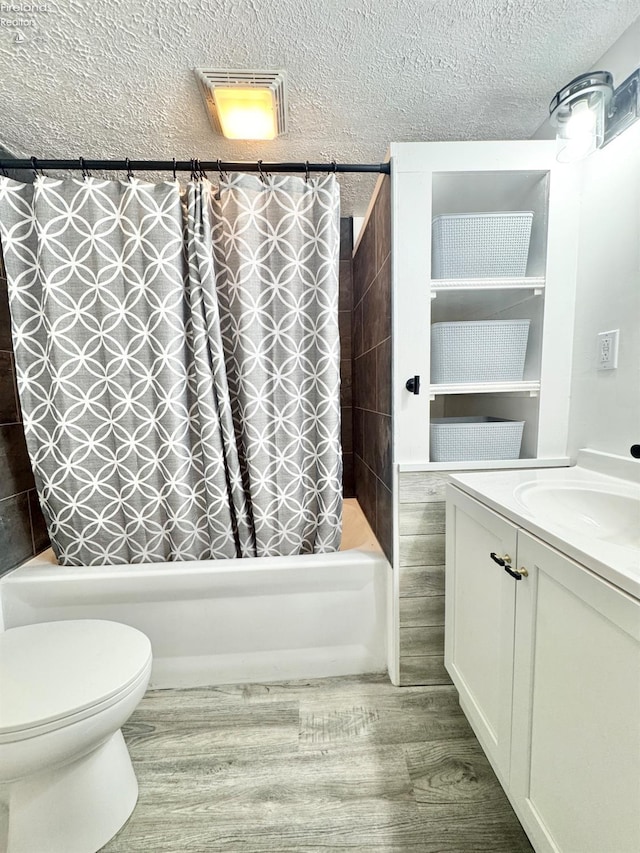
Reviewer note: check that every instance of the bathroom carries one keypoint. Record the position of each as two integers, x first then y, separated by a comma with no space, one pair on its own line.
293,706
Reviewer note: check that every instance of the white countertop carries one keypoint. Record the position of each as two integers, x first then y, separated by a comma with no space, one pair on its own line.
617,563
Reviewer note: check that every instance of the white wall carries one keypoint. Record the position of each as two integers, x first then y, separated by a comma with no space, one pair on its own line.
605,405
623,56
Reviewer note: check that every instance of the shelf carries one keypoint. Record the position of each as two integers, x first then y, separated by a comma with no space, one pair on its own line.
481,299
530,388
447,285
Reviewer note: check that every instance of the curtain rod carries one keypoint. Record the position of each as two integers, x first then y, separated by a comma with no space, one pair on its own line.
80,164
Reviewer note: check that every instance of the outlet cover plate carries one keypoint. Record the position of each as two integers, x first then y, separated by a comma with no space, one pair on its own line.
608,349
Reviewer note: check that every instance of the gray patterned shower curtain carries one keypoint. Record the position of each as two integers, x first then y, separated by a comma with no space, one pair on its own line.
178,364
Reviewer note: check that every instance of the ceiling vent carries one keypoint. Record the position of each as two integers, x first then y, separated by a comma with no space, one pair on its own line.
269,84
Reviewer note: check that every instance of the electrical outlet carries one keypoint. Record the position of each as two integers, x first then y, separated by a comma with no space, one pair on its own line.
608,350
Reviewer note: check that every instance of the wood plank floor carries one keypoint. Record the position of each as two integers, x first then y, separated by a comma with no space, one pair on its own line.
329,764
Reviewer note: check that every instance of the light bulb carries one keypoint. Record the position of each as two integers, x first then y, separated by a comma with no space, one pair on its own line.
580,129
582,121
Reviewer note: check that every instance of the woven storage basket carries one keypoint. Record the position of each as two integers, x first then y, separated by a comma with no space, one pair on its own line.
481,245
466,439
478,351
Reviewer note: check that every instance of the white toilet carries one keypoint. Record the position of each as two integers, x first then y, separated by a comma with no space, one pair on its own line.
66,688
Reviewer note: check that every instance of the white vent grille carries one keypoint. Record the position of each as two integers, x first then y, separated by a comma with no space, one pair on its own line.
208,79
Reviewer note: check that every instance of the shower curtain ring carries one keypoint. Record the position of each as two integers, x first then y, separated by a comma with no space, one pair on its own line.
34,166
306,172
5,174
335,166
193,176
85,172
201,172
263,173
129,172
223,174
174,169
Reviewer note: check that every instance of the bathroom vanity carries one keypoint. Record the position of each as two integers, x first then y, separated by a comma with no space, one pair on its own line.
542,640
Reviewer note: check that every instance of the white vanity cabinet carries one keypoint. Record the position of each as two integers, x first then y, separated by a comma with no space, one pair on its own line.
479,618
548,671
575,756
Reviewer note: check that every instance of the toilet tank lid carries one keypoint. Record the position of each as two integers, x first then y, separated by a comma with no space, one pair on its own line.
52,670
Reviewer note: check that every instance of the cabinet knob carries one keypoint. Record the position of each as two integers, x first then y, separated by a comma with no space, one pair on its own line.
523,572
413,384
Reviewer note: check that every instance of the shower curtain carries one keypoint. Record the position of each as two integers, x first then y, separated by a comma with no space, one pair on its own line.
177,356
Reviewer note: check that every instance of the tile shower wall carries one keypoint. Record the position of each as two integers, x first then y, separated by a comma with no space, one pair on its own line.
22,529
372,369
346,353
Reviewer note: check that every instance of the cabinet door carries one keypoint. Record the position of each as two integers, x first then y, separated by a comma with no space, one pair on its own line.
575,770
479,621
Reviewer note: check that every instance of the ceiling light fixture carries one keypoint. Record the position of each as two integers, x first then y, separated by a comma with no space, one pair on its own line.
588,112
245,104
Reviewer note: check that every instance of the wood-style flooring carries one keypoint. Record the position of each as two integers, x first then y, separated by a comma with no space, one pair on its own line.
320,765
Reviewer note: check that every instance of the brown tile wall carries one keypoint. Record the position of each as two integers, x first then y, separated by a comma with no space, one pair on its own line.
22,529
346,353
372,369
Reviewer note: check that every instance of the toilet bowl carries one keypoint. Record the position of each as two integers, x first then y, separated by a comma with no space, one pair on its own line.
66,688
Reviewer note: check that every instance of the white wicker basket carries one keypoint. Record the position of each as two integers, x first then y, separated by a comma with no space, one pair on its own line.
478,351
467,439
481,245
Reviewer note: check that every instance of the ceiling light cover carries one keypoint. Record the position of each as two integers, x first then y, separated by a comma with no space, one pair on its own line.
245,104
246,113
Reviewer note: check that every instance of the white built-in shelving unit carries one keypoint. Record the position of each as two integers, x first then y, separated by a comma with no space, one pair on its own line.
431,179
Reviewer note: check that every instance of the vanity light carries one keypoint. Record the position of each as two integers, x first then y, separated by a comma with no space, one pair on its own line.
588,112
244,104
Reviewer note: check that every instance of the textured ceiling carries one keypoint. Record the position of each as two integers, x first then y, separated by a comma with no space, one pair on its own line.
107,78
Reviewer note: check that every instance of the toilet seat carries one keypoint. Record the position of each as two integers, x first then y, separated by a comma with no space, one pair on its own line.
56,673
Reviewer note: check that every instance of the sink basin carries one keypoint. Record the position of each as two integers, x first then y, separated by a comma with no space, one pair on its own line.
610,513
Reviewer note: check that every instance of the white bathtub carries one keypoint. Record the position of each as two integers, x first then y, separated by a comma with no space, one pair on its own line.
223,621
